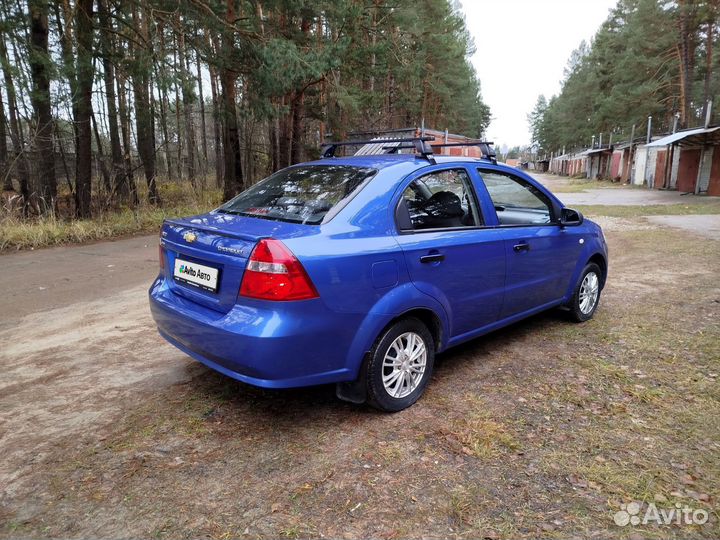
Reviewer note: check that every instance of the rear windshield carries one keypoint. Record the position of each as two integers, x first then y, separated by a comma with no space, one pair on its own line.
299,194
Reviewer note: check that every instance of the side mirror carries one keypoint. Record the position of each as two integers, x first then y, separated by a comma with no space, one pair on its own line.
570,217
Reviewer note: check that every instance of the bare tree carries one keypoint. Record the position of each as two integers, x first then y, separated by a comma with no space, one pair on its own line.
144,116
16,135
4,169
119,177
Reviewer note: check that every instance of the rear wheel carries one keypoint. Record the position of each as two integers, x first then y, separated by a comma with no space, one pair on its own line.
400,365
586,297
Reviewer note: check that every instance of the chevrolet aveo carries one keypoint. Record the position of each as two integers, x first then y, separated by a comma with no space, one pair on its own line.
359,270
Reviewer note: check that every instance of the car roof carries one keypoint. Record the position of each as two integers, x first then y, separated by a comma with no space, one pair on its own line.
383,161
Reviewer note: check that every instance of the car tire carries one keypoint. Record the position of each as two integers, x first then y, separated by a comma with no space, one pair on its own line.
586,296
400,365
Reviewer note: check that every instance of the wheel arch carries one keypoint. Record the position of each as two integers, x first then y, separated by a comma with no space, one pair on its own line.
592,254
426,316
600,260
354,390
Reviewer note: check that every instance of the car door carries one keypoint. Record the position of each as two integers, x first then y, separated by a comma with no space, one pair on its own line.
541,255
450,253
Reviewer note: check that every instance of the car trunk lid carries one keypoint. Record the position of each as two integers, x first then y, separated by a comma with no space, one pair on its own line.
218,244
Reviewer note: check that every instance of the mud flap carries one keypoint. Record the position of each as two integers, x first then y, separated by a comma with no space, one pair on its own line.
354,391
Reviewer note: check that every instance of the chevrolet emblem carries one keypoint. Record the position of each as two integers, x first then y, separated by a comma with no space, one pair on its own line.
189,237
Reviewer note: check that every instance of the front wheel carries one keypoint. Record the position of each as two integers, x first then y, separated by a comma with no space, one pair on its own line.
400,366
586,297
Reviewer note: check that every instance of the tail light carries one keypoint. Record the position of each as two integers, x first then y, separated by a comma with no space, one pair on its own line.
274,273
161,257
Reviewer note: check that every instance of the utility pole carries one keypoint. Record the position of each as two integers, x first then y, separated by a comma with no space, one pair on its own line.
708,113
649,130
631,155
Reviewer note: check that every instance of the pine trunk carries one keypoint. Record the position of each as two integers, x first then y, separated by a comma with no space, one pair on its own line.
44,139
178,123
708,63
298,115
284,134
231,142
686,52
217,128
203,126
188,101
83,161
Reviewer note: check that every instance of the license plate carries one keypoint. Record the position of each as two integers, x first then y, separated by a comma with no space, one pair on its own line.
197,275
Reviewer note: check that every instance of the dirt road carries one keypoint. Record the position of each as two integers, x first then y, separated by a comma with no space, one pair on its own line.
77,343
61,276
542,429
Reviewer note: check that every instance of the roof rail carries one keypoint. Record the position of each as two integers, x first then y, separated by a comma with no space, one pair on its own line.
419,143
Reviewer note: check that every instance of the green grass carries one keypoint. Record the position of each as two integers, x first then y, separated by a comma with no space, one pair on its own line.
17,233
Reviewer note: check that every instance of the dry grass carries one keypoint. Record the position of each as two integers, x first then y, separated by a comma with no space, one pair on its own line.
580,185
702,206
17,233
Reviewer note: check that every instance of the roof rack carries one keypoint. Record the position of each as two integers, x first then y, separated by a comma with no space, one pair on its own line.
485,148
420,144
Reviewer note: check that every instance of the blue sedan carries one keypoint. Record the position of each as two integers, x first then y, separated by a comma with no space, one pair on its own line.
359,270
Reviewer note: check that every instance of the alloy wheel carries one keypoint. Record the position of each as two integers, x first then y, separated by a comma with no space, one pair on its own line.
589,291
404,365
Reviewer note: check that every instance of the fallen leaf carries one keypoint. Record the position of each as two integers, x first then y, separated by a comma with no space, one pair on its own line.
687,479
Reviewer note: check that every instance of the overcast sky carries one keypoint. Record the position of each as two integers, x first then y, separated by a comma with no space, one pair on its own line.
522,48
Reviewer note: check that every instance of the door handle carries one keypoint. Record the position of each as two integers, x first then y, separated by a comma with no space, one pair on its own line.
435,257
522,246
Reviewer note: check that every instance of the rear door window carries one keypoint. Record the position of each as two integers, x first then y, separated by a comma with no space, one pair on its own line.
439,200
303,194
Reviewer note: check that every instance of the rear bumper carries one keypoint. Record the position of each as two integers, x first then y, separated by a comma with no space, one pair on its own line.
288,345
